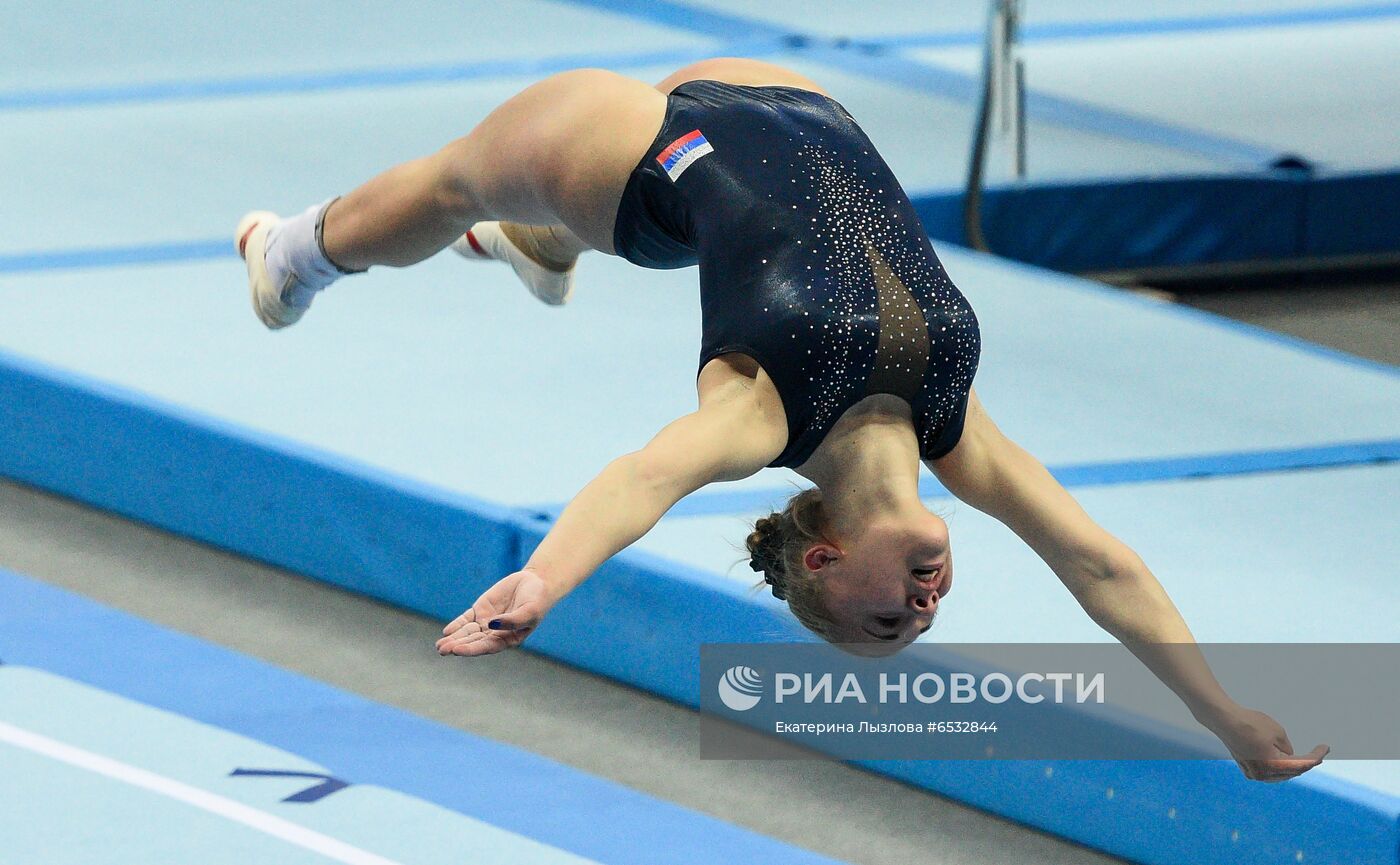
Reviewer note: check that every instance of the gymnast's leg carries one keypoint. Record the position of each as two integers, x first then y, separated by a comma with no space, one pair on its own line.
558,153
739,70
553,247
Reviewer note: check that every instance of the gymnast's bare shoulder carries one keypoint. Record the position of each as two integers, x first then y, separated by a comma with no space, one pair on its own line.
740,405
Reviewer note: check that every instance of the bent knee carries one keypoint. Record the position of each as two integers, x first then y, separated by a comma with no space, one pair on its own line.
455,191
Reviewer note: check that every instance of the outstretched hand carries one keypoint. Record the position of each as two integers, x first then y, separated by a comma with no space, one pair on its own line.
1261,747
500,619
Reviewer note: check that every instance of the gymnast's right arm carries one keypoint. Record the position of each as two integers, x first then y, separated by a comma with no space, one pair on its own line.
719,442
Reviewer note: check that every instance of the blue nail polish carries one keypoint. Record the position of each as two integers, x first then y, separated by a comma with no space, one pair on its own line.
494,624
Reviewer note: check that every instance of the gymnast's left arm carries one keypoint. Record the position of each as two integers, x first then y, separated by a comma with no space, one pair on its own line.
1113,585
718,442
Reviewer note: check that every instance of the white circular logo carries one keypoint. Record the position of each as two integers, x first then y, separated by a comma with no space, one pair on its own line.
740,688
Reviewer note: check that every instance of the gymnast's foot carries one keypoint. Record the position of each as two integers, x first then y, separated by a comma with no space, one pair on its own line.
537,255
286,265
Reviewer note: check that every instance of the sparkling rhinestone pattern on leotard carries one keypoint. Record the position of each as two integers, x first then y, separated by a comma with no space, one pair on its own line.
873,280
812,260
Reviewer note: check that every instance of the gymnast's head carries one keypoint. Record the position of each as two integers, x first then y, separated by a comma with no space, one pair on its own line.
872,592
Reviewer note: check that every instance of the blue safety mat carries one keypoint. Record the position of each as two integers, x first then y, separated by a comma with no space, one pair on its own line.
63,54
433,550
1157,133
1237,554
962,21
161,748
419,373
106,151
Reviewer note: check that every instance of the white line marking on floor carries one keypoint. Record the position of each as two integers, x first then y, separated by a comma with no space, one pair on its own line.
268,824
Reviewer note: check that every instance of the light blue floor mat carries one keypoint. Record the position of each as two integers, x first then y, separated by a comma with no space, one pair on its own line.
902,19
163,749
450,374
281,153
66,45
1297,557
1269,86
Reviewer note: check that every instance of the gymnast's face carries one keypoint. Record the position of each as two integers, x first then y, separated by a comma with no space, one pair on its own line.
883,588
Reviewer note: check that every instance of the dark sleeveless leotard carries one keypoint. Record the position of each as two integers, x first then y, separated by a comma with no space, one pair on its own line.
812,260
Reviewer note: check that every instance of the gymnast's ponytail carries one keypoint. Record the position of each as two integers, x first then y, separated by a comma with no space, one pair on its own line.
777,546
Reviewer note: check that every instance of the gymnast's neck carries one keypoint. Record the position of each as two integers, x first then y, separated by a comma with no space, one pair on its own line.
867,467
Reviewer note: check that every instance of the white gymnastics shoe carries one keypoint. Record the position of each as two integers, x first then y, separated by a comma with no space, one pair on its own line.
277,305
552,282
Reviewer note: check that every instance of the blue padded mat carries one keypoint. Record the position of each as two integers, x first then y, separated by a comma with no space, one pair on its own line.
1289,557
1300,556
1311,91
131,198
65,46
1089,128
181,716
434,551
1342,44
421,372
965,19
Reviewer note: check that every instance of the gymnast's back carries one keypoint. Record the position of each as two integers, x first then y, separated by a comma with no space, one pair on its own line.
812,260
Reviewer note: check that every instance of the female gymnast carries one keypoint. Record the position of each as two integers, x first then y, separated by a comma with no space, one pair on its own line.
833,344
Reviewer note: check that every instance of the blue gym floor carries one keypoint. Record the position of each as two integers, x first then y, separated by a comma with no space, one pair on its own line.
134,139
171,749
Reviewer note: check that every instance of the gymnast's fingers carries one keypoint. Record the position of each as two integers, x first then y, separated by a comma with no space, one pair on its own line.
480,644
1299,765
452,626
465,631
1283,768
451,645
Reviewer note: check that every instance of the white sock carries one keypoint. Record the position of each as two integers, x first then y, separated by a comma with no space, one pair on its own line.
294,248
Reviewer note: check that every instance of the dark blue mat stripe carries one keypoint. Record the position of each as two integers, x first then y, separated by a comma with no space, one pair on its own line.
116,256
1131,222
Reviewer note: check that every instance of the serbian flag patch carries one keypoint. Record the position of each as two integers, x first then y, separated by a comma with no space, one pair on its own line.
679,154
